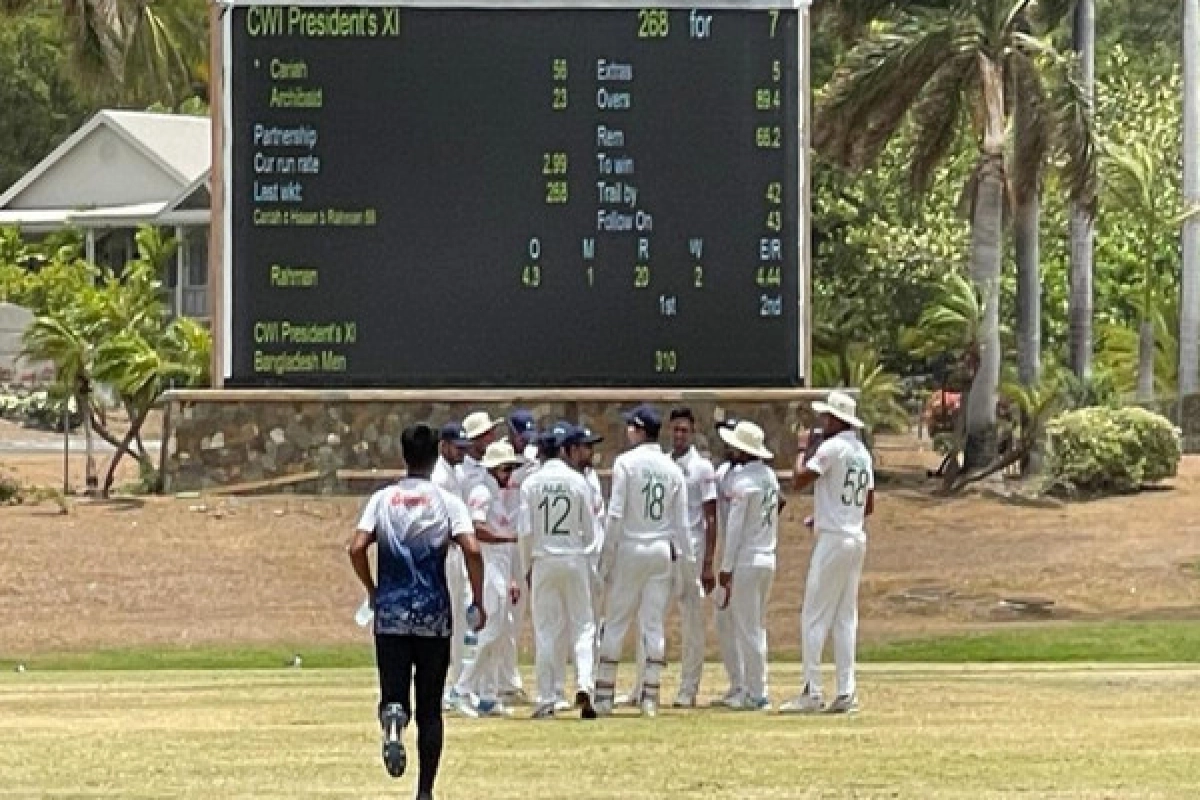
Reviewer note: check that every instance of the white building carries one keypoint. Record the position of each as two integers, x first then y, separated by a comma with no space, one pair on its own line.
124,169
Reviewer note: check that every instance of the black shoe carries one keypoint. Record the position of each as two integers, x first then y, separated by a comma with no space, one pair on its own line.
584,701
394,721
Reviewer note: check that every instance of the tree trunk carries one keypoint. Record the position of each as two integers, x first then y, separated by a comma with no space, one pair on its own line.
1145,374
89,473
1029,290
1189,303
1082,226
987,229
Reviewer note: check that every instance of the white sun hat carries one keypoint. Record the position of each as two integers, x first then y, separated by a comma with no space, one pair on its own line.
747,437
499,454
479,423
842,406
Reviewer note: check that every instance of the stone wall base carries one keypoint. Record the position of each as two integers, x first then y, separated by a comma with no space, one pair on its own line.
329,442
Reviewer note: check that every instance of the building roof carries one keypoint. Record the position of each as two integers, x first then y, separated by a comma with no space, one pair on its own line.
179,146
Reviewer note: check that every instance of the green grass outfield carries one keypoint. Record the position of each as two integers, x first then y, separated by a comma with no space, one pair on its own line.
1118,642
927,732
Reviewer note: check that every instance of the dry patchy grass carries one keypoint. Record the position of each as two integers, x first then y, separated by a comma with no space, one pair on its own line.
925,732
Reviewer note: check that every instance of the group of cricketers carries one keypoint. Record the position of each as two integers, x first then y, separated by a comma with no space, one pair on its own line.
534,535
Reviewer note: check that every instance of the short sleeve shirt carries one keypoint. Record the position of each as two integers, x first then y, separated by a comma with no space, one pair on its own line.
847,476
414,521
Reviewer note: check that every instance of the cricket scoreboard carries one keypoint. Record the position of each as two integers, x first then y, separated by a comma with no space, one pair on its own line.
455,195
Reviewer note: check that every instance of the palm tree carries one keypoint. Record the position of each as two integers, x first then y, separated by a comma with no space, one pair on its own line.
1134,187
1082,223
1189,311
130,52
945,67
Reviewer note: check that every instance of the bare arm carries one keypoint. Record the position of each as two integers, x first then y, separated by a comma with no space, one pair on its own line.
804,478
707,579
358,559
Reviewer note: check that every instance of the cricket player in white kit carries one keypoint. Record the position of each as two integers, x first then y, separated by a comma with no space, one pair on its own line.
453,442
494,510
647,529
558,537
694,578
844,493
734,697
748,562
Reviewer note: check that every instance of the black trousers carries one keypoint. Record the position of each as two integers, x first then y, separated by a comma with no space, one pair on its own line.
406,662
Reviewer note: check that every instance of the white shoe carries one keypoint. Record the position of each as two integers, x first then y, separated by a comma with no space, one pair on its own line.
733,699
843,704
493,708
560,702
631,699
603,708
544,711
685,700
466,707
755,704
804,703
649,708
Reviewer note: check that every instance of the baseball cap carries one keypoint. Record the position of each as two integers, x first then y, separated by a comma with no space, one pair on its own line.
557,435
581,434
645,417
455,433
521,420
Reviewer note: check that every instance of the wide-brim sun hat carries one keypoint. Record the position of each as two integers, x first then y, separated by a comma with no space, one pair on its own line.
747,437
842,406
477,424
500,454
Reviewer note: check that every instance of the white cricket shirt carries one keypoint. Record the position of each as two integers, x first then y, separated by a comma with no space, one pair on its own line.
649,498
499,509
752,530
847,477
557,512
701,481
446,477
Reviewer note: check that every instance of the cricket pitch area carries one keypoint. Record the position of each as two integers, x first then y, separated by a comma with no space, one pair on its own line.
932,732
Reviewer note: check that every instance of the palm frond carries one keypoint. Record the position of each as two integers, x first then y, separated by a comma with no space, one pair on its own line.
1032,124
936,119
871,94
1075,132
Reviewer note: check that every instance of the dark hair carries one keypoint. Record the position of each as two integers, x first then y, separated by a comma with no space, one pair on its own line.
420,446
683,413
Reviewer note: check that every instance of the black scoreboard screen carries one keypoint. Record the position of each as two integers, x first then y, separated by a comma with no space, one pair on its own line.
512,196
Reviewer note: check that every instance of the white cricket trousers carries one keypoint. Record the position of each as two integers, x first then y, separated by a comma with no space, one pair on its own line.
484,676
748,612
688,593
831,604
641,584
562,609
456,582
730,656
693,608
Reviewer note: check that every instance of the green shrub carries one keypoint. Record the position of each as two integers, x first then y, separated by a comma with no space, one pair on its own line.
1098,451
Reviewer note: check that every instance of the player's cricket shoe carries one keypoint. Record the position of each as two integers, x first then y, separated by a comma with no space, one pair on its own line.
560,702
394,721
684,700
603,708
756,704
543,711
493,708
733,699
843,704
466,707
584,701
649,708
804,703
